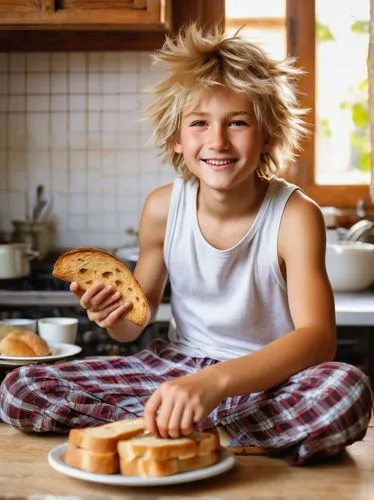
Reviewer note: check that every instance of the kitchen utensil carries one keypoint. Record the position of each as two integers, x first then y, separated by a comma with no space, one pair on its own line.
363,230
15,260
41,204
350,265
45,212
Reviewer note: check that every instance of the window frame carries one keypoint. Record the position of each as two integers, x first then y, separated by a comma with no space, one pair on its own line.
300,27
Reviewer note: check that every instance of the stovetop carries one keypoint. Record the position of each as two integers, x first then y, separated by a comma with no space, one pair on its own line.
36,282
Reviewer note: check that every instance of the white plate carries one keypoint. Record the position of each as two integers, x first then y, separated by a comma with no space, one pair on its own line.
59,351
226,462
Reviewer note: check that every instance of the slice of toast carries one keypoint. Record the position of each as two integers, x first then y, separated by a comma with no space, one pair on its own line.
104,438
124,447
100,463
157,468
150,448
91,265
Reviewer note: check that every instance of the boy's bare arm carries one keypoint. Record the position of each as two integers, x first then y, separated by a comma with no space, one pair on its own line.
150,270
301,249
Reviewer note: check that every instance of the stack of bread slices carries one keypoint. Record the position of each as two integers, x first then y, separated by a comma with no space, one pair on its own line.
123,447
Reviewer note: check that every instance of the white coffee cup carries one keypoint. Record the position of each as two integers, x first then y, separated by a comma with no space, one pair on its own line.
58,330
22,323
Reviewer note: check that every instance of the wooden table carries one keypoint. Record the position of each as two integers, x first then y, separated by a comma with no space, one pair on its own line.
24,472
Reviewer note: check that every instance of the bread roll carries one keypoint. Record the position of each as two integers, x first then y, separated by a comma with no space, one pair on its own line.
24,343
92,265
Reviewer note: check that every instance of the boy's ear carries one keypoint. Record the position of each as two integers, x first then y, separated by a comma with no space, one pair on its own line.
178,147
266,147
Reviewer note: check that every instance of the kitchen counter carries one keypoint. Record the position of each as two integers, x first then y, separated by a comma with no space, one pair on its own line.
355,309
25,474
352,309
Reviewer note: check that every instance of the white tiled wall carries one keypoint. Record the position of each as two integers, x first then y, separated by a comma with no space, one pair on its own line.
70,121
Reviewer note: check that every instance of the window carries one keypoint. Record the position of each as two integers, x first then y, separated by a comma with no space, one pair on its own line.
334,167
342,114
262,22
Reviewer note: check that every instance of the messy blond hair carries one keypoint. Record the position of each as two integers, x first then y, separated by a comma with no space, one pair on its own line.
198,61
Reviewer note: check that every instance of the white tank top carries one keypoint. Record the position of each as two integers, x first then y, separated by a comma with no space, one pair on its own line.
225,303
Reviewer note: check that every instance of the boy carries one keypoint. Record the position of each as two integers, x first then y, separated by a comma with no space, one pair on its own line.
253,335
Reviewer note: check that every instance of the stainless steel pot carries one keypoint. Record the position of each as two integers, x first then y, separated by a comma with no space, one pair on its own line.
37,233
15,260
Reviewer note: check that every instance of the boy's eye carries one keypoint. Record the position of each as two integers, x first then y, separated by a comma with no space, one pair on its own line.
198,123
238,123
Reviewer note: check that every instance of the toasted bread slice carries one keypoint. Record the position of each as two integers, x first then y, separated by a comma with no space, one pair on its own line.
100,463
206,441
123,446
91,265
104,438
151,448
157,468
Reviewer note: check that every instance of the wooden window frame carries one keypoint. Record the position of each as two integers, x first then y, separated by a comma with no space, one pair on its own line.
301,44
300,25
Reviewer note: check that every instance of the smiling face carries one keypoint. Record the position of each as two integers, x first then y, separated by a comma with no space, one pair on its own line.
220,140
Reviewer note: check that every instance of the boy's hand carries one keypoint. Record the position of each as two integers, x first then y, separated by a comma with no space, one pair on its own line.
104,305
178,404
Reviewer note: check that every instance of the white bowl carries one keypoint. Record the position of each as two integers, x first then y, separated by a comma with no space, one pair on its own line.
350,265
22,323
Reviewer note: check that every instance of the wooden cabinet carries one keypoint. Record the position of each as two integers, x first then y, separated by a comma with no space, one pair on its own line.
85,14
39,25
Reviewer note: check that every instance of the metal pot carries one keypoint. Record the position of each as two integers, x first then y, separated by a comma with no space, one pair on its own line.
15,260
37,233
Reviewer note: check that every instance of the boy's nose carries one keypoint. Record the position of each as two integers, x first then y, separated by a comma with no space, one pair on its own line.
218,138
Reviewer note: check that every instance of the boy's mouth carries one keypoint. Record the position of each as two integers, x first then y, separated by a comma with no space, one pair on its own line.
216,164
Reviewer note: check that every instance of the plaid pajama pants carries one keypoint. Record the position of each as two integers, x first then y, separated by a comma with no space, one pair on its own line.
314,414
